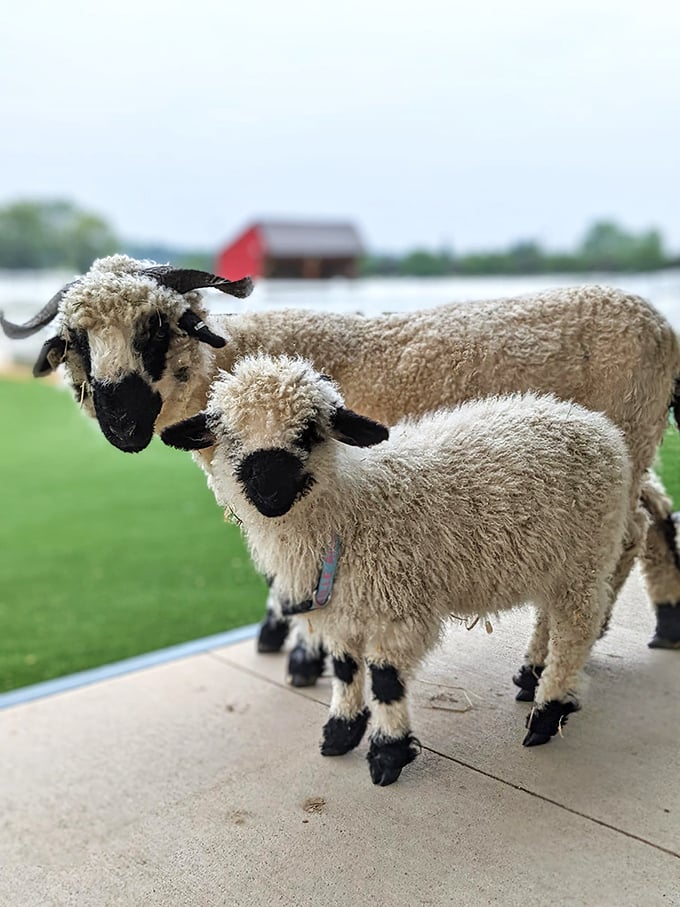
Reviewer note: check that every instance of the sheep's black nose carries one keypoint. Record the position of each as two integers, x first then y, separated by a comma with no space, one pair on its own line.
126,411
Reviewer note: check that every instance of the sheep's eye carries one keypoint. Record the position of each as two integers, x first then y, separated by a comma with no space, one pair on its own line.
148,331
308,436
79,341
152,341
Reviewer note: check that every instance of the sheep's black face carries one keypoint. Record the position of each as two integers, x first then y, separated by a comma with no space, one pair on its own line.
152,342
127,411
273,480
127,407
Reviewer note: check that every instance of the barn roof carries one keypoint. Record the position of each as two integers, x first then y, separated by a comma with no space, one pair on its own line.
288,239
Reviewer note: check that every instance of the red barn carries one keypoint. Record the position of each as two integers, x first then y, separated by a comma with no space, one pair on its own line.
291,249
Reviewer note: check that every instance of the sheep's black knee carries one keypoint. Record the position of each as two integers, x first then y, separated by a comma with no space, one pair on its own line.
544,722
273,633
305,668
667,633
386,684
340,735
670,532
345,668
527,680
388,755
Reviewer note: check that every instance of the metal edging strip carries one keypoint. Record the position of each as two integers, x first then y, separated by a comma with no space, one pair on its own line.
126,666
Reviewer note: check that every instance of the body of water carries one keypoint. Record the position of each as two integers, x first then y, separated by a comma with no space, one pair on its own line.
23,294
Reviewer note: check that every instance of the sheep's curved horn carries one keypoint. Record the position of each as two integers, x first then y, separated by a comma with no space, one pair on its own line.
185,279
44,316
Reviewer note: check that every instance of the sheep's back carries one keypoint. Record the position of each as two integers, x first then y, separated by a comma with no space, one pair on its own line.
608,350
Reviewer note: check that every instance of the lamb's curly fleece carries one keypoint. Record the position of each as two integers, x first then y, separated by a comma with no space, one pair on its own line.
466,512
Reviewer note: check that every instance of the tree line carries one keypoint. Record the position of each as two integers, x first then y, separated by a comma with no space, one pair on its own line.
606,246
59,234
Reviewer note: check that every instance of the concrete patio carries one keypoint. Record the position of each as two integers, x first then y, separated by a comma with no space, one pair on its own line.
199,782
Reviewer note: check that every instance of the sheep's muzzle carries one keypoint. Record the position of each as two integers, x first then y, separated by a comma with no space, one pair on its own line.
273,480
126,411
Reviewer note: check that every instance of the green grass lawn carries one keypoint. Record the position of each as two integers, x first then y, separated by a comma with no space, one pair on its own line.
106,555
669,464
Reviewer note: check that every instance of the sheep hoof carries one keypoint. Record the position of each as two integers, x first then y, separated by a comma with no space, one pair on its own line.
667,634
544,722
533,739
340,735
304,669
527,680
273,633
387,756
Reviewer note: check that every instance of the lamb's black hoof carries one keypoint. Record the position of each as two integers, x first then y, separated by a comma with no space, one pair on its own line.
527,680
340,735
304,669
545,722
387,756
533,739
273,633
667,633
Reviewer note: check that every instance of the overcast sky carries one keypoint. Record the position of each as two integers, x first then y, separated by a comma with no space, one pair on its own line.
471,124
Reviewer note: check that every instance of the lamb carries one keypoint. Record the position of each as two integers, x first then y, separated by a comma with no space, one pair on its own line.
140,352
462,512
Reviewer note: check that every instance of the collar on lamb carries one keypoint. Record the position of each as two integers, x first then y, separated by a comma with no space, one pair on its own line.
324,587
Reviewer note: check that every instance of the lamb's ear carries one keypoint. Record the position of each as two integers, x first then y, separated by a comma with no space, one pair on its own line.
49,357
359,431
191,434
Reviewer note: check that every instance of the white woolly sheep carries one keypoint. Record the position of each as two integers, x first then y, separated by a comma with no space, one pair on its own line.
128,340
502,501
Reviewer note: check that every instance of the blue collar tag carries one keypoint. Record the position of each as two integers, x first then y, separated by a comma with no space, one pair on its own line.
322,593
329,565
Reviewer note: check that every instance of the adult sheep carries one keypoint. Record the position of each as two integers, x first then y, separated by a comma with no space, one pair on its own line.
462,512
140,352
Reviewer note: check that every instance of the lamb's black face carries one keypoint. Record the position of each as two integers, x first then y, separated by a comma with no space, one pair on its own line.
273,480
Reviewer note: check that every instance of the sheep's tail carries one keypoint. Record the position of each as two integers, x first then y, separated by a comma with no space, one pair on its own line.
675,402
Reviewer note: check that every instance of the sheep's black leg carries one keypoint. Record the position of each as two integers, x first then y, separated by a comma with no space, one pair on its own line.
305,662
661,567
274,628
544,722
537,651
667,633
392,744
574,625
348,715
527,680
273,633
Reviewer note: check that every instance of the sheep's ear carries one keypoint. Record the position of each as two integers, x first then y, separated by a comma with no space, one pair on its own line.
196,327
359,431
191,434
51,354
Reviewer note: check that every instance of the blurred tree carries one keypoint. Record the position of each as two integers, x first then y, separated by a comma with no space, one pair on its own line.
380,264
526,257
52,234
608,247
421,263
